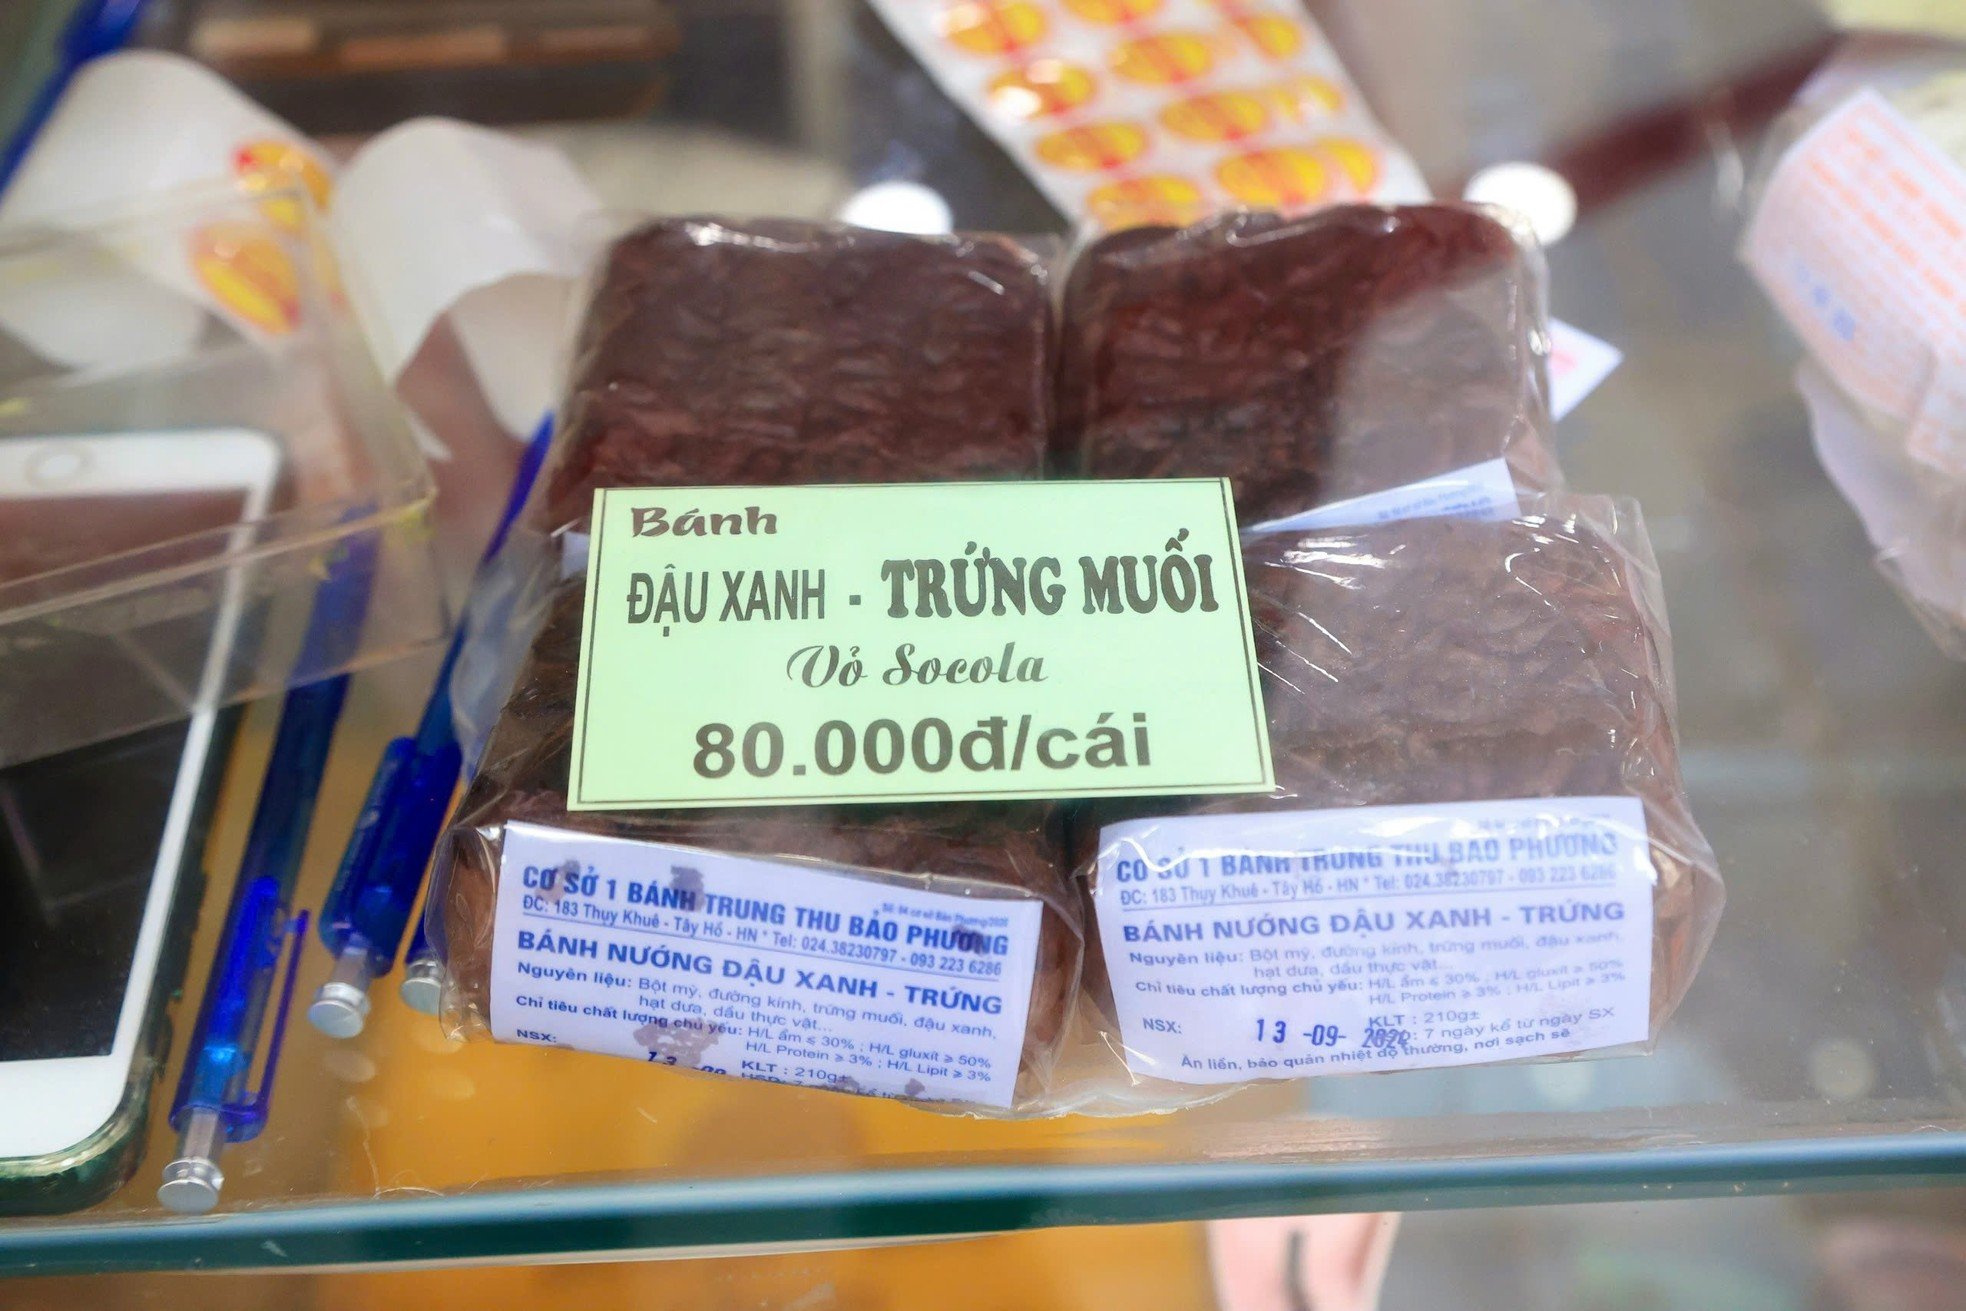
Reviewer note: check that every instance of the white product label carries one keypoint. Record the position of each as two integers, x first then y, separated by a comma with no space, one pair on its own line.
759,968
1578,363
1273,946
1858,241
1480,491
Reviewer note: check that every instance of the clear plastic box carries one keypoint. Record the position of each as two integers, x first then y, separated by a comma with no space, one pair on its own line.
192,435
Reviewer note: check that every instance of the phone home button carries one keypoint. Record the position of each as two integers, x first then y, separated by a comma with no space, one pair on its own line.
57,466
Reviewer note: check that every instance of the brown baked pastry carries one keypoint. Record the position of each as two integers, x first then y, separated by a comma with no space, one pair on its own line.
1308,359
979,848
1443,660
775,353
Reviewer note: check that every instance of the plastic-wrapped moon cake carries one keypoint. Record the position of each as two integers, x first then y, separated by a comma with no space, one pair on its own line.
1308,359
795,944
1479,847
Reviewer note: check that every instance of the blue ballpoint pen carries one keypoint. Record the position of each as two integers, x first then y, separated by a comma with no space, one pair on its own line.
367,910
212,1107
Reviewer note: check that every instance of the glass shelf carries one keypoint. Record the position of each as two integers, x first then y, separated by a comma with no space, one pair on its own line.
1825,748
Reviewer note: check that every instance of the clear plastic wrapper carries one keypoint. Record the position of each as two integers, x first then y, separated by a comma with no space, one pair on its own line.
1874,145
981,852
762,354
192,426
778,351
1915,518
1479,837
1310,359
455,249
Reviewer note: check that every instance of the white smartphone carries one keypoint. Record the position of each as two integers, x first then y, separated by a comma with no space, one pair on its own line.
95,844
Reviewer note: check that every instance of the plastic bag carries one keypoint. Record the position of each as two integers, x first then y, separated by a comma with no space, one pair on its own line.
1915,518
1876,144
781,352
986,854
1479,847
770,353
1311,359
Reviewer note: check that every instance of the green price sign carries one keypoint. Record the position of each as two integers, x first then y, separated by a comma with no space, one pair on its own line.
915,642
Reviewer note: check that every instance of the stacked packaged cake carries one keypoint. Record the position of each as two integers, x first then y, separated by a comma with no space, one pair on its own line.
1476,847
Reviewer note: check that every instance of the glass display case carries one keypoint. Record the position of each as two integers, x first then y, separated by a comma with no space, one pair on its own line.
1823,1045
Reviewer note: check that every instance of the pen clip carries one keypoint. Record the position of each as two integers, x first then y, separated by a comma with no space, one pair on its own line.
244,1119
